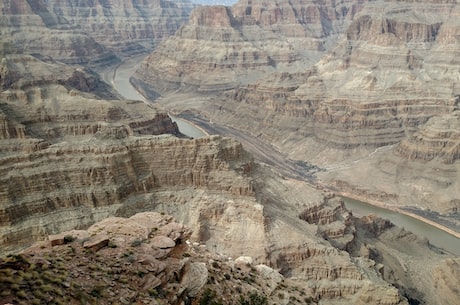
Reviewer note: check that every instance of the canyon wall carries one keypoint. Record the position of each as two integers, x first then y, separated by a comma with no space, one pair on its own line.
381,101
70,155
90,33
32,28
73,153
128,28
71,159
221,48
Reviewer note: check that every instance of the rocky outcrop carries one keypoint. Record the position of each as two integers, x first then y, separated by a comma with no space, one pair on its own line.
334,222
88,181
126,27
438,138
143,271
222,48
376,239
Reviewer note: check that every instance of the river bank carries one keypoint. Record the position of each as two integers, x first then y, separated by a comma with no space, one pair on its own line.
400,211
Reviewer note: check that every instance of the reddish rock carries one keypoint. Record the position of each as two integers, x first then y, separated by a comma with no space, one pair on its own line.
96,242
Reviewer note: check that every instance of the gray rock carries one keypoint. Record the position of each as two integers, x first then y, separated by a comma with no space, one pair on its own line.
194,278
163,242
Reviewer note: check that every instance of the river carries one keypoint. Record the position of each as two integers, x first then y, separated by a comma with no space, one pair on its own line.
120,81
436,236
119,78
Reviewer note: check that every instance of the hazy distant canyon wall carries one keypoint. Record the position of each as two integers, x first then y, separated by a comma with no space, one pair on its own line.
89,32
222,48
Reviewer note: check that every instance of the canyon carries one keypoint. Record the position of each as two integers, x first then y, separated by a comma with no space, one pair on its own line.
94,176
375,96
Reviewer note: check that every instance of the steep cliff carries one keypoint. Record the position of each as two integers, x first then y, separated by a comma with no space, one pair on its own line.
90,32
73,154
221,47
32,28
71,159
126,27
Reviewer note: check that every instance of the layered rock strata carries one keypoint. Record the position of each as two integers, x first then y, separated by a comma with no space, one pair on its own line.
126,27
387,81
32,28
69,153
90,32
221,47
417,280
71,159
439,138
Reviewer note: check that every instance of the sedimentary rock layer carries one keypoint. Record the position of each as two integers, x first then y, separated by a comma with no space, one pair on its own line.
68,152
32,28
126,27
222,47
90,32
390,80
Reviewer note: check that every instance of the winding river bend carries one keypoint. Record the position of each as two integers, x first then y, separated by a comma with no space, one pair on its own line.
119,78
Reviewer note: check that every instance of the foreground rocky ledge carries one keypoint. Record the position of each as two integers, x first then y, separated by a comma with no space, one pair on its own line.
147,259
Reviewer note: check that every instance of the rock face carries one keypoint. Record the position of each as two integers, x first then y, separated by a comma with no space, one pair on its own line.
73,153
382,99
439,138
90,33
105,155
421,280
126,27
222,47
71,158
32,28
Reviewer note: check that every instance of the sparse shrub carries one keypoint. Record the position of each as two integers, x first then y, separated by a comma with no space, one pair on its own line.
131,258
94,267
21,294
254,299
39,294
227,276
136,243
249,279
5,293
35,302
97,291
123,280
209,298
68,239
15,286
141,274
